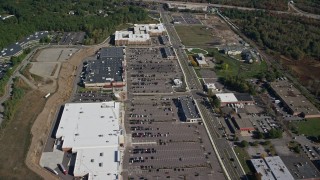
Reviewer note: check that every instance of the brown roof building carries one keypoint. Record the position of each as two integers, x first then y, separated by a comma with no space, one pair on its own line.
293,100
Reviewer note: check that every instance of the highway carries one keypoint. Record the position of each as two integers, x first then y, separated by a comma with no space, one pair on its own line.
226,156
189,73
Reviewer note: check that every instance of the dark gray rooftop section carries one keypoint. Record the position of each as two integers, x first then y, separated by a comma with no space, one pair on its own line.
189,108
111,52
303,167
243,97
104,70
163,39
166,52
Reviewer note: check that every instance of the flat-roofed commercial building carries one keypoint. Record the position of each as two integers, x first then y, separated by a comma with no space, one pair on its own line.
129,38
140,35
167,53
235,100
227,98
151,29
92,131
278,168
261,167
271,168
243,123
110,52
107,71
201,60
188,110
104,73
210,84
293,100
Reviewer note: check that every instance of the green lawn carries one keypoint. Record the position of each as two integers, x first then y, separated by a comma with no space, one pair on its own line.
245,70
198,50
243,156
195,36
311,127
197,70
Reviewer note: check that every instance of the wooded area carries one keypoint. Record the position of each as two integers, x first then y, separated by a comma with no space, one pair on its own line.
97,18
292,36
311,6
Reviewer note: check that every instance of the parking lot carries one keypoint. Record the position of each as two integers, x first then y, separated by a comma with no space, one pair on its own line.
186,19
263,122
163,147
149,72
208,74
69,38
4,67
92,96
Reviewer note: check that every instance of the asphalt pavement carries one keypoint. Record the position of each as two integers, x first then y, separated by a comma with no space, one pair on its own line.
226,156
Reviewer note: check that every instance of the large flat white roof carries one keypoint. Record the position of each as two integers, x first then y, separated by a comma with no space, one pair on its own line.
128,35
227,97
272,167
141,32
99,163
149,28
278,168
92,131
89,125
261,167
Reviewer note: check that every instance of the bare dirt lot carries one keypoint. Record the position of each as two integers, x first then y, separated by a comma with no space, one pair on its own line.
222,34
43,123
46,64
46,69
16,138
54,54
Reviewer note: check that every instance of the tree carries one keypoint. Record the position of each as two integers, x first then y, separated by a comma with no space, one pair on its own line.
267,143
194,63
244,143
216,102
257,176
235,138
260,135
296,149
225,66
255,143
275,133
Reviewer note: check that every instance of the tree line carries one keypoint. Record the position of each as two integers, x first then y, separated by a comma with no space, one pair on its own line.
311,6
292,36
97,18
15,61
